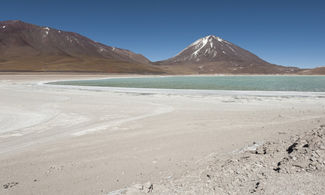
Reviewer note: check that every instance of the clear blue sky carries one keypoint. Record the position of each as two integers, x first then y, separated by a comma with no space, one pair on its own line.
286,32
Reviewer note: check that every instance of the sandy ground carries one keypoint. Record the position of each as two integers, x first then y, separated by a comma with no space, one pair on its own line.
282,166
56,140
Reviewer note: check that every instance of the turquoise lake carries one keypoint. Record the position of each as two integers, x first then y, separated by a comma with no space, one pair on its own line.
247,83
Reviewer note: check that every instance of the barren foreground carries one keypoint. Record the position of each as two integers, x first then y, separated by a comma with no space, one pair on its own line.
56,140
290,166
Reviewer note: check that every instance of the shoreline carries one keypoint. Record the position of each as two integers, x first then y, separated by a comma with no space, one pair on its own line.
191,91
40,73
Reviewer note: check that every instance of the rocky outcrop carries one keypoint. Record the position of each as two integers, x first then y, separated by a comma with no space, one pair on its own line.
294,166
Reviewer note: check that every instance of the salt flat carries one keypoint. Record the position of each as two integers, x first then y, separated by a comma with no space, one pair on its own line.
75,140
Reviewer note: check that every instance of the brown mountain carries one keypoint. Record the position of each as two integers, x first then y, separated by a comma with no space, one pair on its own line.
28,47
212,54
314,71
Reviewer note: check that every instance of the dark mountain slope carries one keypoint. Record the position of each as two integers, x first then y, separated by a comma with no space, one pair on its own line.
28,47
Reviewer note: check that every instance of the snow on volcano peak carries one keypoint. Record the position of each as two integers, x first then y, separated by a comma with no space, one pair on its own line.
200,44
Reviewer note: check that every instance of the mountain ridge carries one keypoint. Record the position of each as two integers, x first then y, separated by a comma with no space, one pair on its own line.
29,47
41,47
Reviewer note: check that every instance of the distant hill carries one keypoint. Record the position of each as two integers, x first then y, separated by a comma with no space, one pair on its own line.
212,54
314,71
28,47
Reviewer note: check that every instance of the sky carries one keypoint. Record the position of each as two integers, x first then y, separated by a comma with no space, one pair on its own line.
284,32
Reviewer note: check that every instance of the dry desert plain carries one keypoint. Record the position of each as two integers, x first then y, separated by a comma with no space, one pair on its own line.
84,140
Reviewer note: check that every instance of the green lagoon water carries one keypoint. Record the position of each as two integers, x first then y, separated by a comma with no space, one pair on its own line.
246,83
